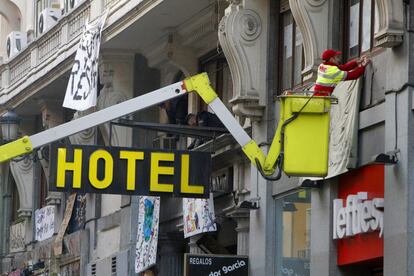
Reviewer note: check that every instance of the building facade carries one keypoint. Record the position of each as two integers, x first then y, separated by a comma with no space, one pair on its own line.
252,52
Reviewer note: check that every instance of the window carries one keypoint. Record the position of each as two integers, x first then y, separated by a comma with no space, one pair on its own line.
293,234
291,50
215,65
360,25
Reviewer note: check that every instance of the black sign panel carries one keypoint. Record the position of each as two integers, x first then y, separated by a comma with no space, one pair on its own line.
129,171
215,265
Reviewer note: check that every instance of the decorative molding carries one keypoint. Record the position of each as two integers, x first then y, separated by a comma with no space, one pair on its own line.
243,43
86,137
22,172
306,26
316,3
109,97
390,23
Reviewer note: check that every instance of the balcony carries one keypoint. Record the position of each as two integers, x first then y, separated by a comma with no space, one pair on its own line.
130,25
51,54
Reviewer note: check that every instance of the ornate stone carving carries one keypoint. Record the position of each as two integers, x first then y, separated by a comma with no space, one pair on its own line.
109,97
52,116
22,172
86,137
316,3
244,43
390,23
314,39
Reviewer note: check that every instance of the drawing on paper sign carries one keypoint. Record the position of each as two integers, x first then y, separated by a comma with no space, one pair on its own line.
45,223
198,216
147,236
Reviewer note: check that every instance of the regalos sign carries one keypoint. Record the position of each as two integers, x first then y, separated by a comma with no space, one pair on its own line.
129,171
359,215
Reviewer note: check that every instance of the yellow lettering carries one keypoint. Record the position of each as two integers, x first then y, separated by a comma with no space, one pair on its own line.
63,166
93,169
131,157
185,175
156,170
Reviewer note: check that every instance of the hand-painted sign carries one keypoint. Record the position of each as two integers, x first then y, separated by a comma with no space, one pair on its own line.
147,235
198,216
128,171
45,223
81,92
215,265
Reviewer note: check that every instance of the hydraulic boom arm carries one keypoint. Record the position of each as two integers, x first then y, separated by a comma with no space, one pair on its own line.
199,84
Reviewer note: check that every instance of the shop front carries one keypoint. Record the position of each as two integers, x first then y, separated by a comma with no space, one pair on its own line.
358,223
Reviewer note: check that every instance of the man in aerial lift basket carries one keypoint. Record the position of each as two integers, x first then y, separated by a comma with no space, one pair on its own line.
331,72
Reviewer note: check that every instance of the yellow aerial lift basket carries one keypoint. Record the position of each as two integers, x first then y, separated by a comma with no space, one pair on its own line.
301,143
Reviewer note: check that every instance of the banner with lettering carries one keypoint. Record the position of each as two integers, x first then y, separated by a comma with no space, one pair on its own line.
81,92
45,223
147,235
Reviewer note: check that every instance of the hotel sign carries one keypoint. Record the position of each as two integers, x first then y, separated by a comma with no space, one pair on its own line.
129,171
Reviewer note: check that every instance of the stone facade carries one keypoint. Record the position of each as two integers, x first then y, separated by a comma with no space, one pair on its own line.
148,44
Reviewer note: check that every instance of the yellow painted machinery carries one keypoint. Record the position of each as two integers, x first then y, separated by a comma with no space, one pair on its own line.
299,148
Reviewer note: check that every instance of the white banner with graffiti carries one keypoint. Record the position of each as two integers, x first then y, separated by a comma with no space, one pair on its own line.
82,89
199,216
147,236
45,223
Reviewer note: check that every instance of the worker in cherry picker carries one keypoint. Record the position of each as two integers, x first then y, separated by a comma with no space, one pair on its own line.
331,72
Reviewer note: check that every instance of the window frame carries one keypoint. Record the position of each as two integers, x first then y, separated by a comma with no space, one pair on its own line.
214,56
284,8
346,30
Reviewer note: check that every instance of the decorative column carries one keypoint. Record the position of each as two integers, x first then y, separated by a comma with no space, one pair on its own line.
171,254
116,76
244,42
192,244
315,39
243,35
22,172
391,27
242,217
52,115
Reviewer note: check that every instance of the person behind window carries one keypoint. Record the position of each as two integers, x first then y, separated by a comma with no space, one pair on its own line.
331,72
204,119
176,110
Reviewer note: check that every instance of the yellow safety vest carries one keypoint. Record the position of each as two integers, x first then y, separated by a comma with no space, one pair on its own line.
330,75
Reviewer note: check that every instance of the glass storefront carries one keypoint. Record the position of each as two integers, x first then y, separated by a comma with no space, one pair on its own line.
293,226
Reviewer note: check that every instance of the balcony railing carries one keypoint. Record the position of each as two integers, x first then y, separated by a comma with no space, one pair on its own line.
50,49
49,45
20,67
109,3
77,22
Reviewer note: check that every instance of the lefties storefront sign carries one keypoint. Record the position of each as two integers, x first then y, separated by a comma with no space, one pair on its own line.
360,215
358,212
129,171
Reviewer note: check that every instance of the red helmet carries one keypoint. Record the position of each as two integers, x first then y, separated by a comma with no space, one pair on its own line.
327,54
